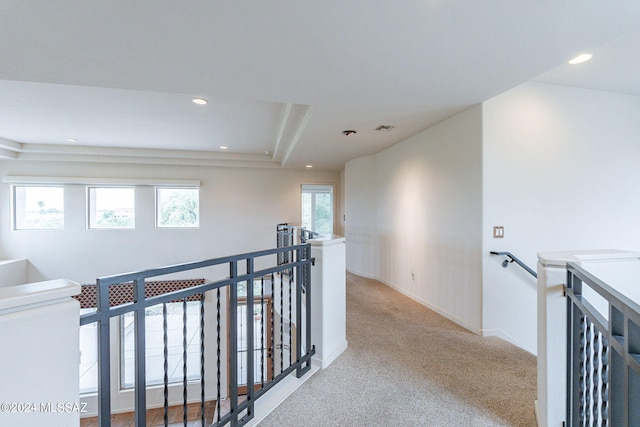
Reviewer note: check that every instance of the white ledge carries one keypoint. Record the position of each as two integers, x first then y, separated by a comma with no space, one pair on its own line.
331,240
561,258
62,180
15,297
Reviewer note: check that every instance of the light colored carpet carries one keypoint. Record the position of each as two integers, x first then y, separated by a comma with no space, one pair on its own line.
408,366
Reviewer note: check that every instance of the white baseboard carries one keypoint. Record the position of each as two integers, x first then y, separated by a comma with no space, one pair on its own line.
357,273
278,394
501,334
430,306
536,411
323,363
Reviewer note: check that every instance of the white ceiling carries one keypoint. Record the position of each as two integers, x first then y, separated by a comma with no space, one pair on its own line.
283,78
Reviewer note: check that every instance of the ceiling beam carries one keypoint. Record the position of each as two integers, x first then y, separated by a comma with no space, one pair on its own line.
8,144
301,127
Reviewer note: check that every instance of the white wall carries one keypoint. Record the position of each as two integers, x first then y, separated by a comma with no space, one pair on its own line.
416,208
239,209
360,216
560,173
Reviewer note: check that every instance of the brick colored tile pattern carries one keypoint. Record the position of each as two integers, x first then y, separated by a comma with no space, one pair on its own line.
122,293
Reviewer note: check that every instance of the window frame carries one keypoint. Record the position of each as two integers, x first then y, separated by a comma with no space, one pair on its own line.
157,208
314,189
14,206
91,200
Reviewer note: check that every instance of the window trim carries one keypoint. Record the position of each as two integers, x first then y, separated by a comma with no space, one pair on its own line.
157,208
14,215
89,201
318,190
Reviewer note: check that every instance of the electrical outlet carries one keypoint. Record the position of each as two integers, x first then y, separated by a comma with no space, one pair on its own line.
498,231
413,276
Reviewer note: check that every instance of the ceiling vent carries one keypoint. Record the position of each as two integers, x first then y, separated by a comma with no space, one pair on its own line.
384,127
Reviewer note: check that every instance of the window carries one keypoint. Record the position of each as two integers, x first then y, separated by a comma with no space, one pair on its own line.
317,208
38,208
112,207
177,207
154,344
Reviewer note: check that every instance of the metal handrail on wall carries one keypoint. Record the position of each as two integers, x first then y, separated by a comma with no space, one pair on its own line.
512,258
603,354
264,366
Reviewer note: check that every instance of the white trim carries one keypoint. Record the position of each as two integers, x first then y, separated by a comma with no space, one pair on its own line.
61,180
283,125
502,335
10,145
441,312
8,154
536,412
298,134
22,297
278,394
324,363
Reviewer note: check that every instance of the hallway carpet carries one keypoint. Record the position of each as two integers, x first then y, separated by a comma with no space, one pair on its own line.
408,366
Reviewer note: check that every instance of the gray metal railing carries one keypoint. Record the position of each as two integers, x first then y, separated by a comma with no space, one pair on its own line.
287,235
603,354
259,346
512,258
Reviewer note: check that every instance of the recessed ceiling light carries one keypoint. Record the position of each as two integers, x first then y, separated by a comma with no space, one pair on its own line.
349,132
309,166
583,57
71,140
224,147
200,101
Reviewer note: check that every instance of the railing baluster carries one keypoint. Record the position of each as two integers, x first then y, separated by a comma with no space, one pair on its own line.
290,320
282,323
165,352
595,396
218,359
233,342
262,349
272,329
582,366
184,362
587,374
604,407
202,367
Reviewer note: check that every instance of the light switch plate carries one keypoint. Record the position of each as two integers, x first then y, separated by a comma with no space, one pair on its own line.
498,231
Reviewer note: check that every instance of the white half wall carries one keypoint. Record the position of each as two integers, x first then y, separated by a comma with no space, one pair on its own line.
560,173
414,217
239,210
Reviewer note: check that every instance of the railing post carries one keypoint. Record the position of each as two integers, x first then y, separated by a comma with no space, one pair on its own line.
574,349
250,339
140,354
104,356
